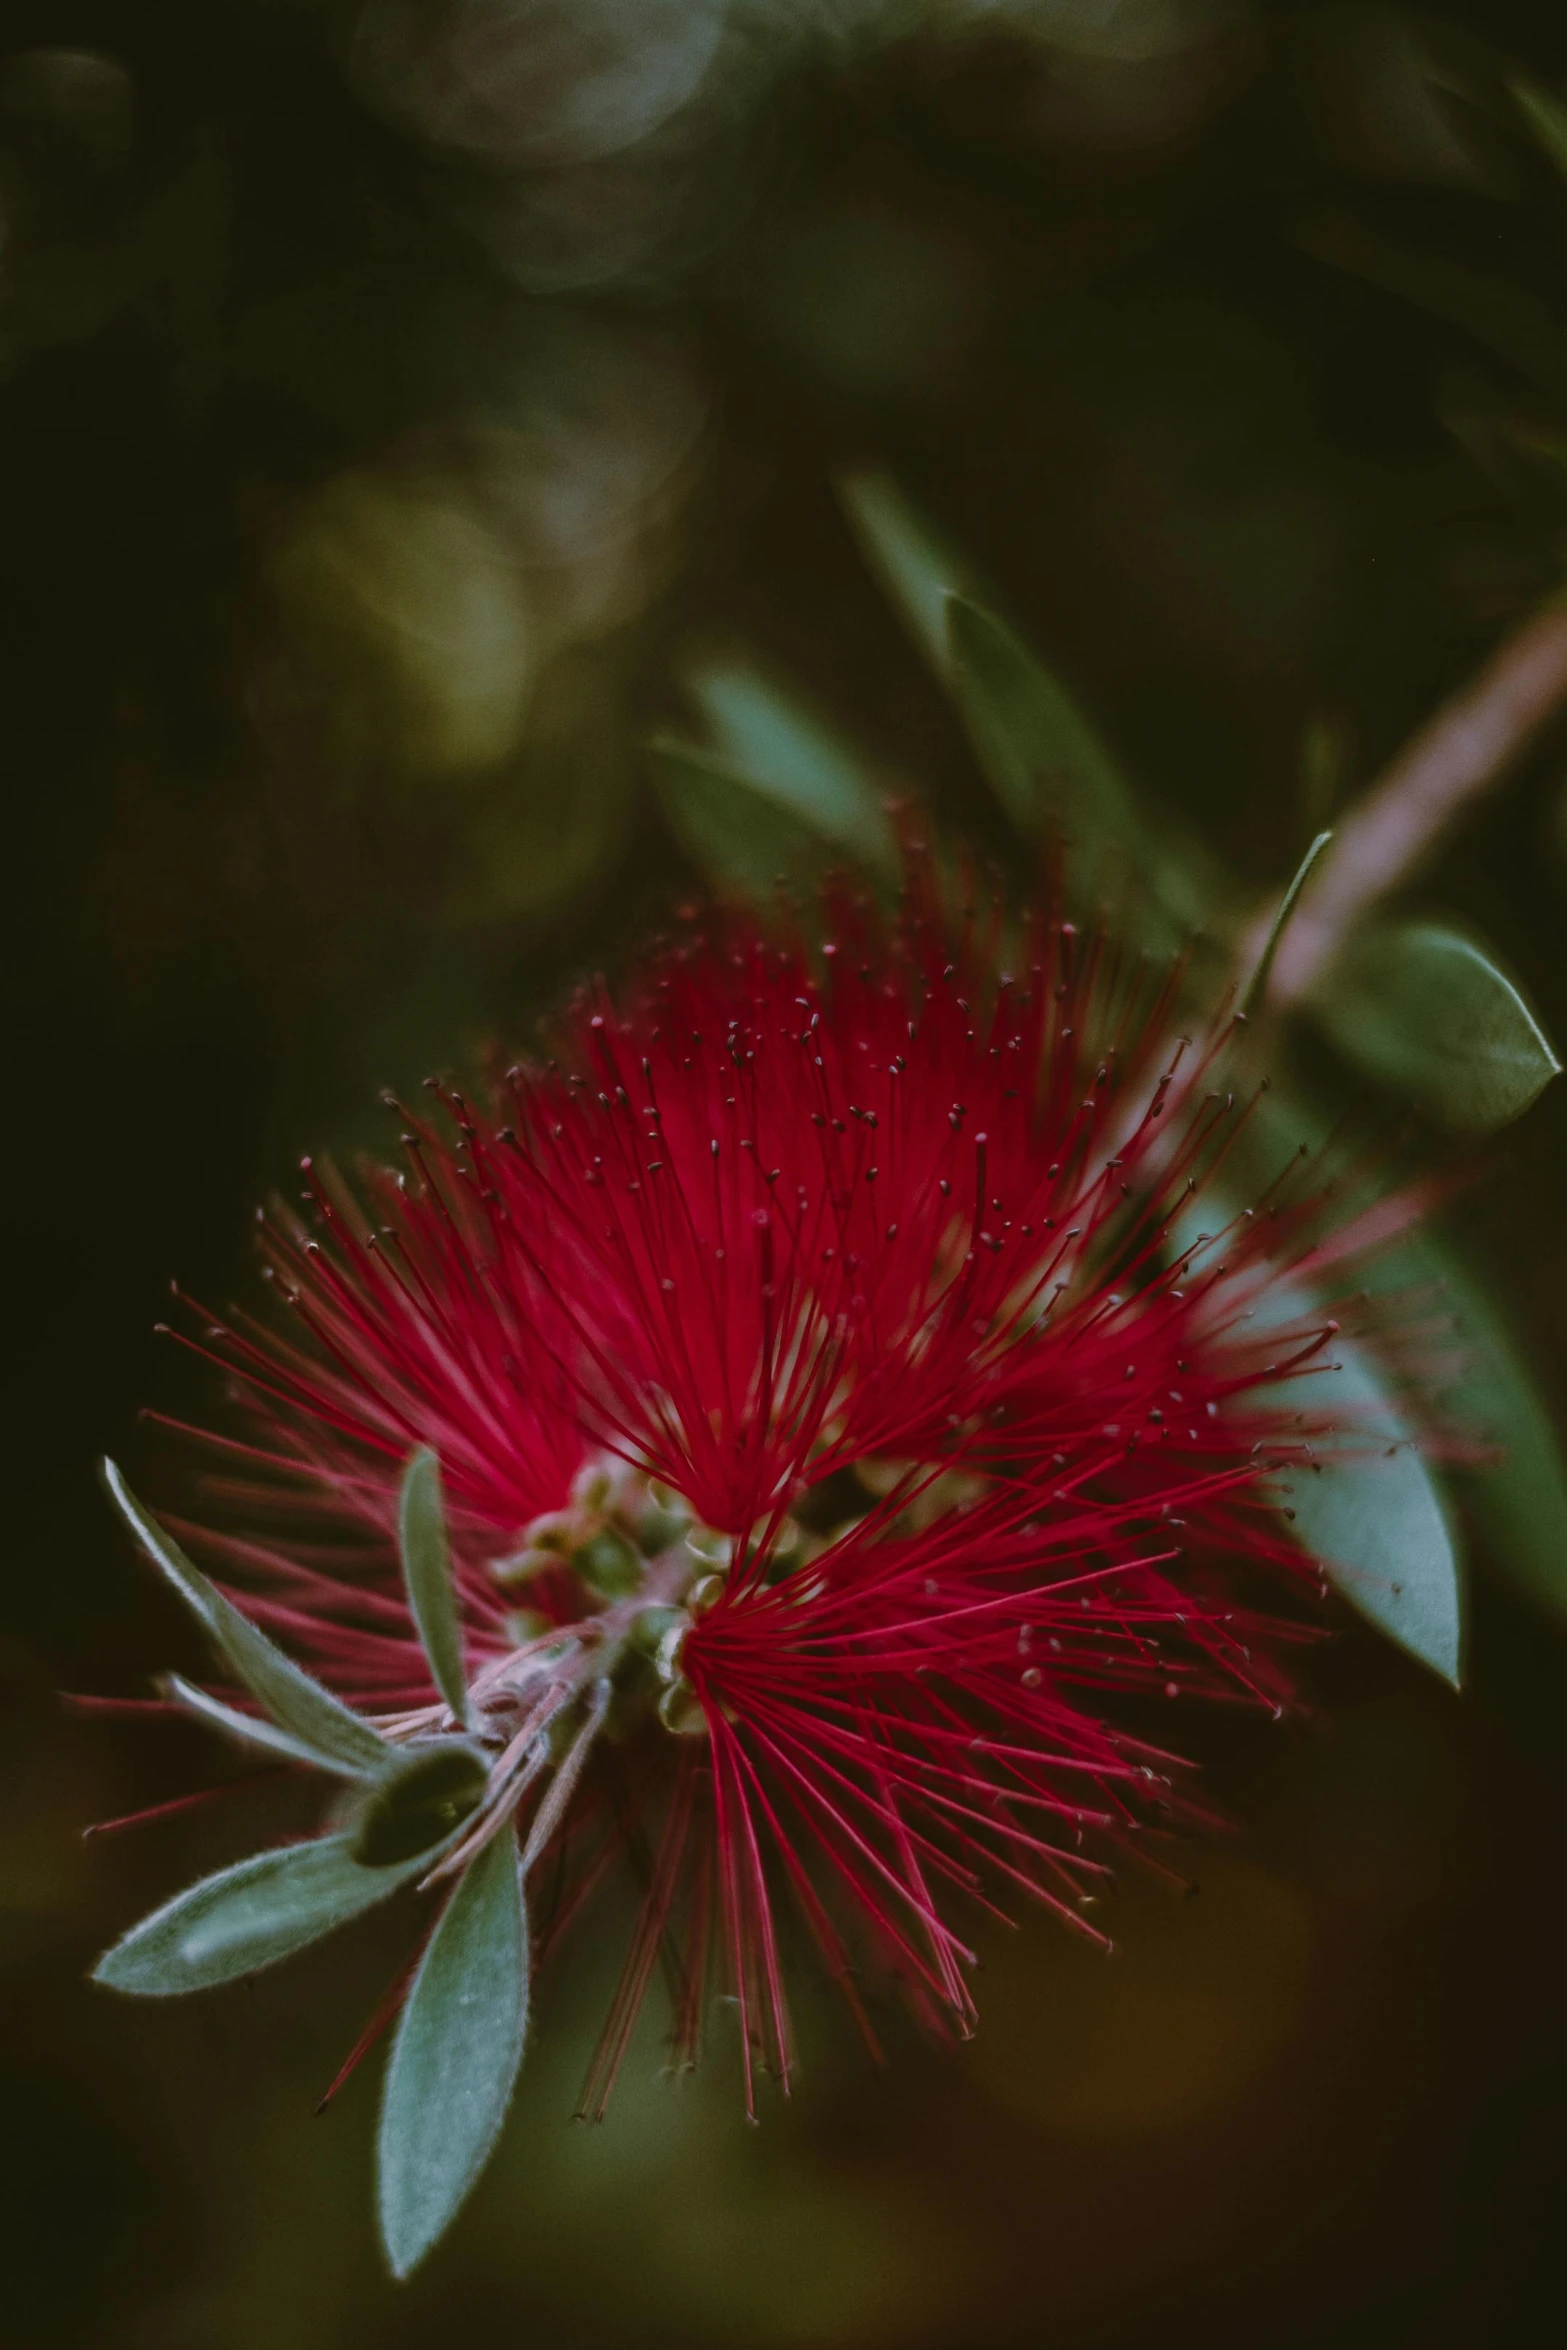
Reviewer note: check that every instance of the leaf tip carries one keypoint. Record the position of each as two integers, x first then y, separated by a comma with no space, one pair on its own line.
111,1970
402,2257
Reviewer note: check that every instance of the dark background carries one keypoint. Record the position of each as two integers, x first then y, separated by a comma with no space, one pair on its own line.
372,460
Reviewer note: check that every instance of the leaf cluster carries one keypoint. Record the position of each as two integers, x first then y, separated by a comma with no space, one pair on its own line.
459,2042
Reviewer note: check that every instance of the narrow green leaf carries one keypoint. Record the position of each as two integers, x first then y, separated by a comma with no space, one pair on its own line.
1326,756
339,1740
1526,461
1257,985
1547,448
425,1791
1375,1518
247,1729
455,2061
1518,325
742,839
917,568
1546,116
427,1572
1370,1510
1518,1501
784,753
248,1916
1041,754
1419,1006
1047,763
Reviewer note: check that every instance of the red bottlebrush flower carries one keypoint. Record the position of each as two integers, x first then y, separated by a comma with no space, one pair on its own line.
899,1720
820,1400
776,1218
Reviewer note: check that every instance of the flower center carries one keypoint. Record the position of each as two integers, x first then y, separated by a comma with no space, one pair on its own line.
648,1569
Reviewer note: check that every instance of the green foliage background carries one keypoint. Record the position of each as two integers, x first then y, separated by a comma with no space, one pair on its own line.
361,528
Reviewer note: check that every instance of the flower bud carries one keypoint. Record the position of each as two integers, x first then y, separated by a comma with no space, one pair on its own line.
659,1530
525,1624
714,1550
523,1564
608,1565
556,1530
592,1487
652,1626
680,1710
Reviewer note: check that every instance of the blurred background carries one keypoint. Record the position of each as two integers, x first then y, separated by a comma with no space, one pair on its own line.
401,403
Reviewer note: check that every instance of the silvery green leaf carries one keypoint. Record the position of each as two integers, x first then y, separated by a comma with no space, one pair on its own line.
424,1791
764,735
1370,1509
427,1572
1546,115
1373,1514
248,1916
1419,1006
1038,749
1518,1500
1047,763
1512,320
338,1738
741,839
1043,757
915,566
246,1729
456,2057
1257,985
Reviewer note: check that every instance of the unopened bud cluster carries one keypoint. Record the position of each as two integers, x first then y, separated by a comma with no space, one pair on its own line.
634,1547
615,1521
624,1537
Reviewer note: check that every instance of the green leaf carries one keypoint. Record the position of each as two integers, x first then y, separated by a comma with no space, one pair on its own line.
917,568
1257,986
455,2061
338,1740
427,1572
1041,754
248,1916
1370,1510
247,1729
1520,1500
1420,1007
424,1792
1526,461
764,735
1546,116
1517,325
742,839
1326,757
1375,1518
1046,762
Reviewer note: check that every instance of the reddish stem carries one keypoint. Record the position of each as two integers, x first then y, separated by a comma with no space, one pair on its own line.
1465,749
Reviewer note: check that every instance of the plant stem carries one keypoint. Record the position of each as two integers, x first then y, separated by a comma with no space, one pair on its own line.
1465,749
